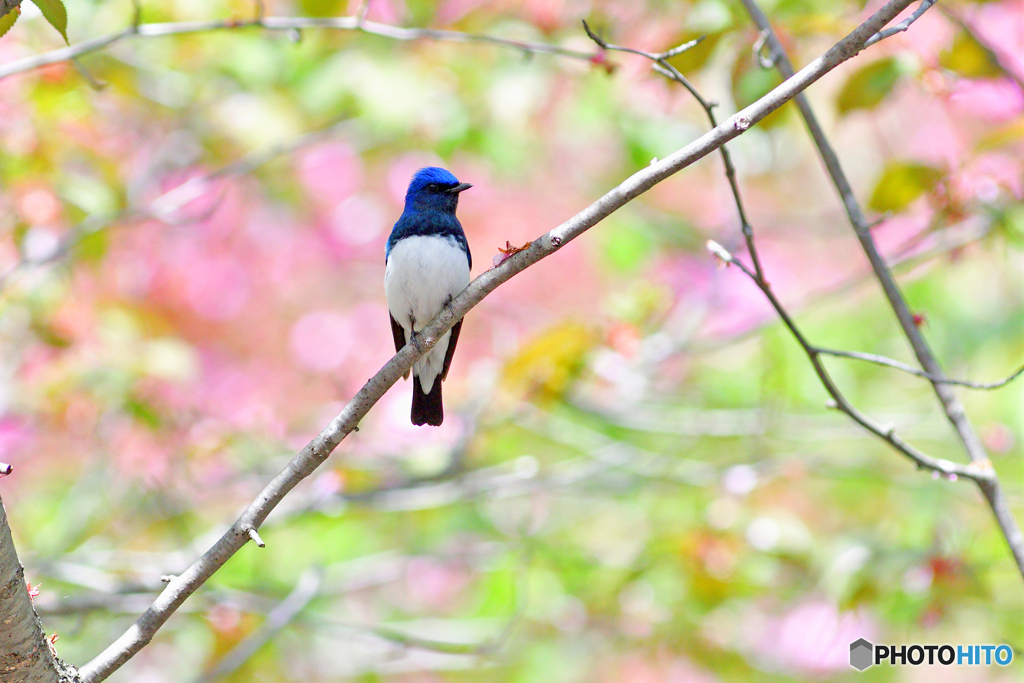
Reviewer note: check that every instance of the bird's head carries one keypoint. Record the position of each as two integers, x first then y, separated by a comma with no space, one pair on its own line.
434,188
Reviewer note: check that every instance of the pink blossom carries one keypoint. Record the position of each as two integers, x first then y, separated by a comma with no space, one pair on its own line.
14,435
996,100
140,453
452,11
661,668
434,584
383,11
321,341
216,287
987,175
813,639
358,220
1001,25
330,172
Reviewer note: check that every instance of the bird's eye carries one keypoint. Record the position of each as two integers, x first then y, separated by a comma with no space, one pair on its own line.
432,187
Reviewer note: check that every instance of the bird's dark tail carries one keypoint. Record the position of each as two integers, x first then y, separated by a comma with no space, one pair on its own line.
427,408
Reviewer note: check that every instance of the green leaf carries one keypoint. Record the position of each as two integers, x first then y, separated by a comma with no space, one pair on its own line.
901,183
55,13
92,247
7,20
143,412
968,58
866,88
627,247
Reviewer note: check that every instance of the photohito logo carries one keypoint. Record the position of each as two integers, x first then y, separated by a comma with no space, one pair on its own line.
864,654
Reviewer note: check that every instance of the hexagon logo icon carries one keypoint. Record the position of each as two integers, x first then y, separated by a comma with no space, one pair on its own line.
861,654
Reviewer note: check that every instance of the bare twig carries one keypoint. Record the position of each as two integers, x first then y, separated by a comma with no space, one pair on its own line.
8,6
903,25
163,207
255,536
362,11
979,472
951,405
94,83
285,24
996,58
663,67
317,451
484,648
279,617
902,262
889,362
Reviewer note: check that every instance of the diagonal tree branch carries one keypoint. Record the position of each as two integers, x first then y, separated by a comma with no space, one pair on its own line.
997,59
317,451
164,206
903,25
662,66
7,6
279,617
978,472
889,362
283,24
951,405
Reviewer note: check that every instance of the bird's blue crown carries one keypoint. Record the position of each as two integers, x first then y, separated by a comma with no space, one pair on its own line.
430,207
431,175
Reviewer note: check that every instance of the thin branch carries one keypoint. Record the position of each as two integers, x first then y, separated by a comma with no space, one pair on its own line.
255,537
996,58
663,67
979,472
951,405
8,6
362,11
902,262
279,617
94,83
954,411
285,24
317,451
903,25
889,362
163,207
485,648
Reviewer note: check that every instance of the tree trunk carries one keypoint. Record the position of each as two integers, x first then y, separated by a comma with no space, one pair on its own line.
25,655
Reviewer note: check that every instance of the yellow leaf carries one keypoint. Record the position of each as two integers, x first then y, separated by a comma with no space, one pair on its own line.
969,58
868,86
549,363
901,183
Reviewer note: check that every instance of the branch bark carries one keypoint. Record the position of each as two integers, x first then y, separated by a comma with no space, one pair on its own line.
997,59
285,24
317,451
25,655
7,6
890,363
951,405
978,472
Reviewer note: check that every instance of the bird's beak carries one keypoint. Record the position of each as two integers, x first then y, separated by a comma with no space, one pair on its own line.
459,188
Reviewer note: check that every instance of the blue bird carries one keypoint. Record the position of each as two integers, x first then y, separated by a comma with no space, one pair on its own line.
427,263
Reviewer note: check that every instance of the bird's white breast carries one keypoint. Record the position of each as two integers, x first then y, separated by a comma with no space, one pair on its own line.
422,275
